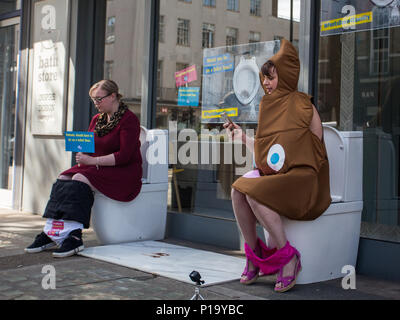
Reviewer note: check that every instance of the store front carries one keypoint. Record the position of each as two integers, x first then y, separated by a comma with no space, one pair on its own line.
9,49
179,65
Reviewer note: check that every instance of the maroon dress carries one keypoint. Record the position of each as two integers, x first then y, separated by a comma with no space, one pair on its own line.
123,181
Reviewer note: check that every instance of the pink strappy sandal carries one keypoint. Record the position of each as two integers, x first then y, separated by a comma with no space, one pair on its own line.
288,282
275,263
252,275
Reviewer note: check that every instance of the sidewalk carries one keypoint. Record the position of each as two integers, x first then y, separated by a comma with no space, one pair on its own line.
80,278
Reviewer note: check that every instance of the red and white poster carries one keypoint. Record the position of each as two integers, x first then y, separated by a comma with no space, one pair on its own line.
186,75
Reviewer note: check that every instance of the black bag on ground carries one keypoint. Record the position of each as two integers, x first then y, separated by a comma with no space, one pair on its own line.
70,200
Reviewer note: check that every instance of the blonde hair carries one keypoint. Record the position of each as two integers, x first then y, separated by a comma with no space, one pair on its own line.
108,86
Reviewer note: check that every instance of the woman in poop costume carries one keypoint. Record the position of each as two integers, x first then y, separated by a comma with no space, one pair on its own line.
292,174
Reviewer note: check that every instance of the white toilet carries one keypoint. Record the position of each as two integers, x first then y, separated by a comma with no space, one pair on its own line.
330,242
144,218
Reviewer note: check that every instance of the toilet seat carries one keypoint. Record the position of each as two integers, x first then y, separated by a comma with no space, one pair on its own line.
245,80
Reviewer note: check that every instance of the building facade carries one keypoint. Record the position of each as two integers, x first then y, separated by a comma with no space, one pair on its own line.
177,64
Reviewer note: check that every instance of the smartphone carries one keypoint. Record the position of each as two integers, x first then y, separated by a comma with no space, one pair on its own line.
226,118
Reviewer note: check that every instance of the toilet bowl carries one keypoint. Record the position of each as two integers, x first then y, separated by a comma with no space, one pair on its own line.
143,218
246,80
330,242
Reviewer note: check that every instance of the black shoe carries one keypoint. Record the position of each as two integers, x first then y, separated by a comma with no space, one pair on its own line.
42,242
71,245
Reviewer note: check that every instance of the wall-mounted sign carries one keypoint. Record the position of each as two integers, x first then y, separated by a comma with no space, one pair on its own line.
188,96
185,76
50,65
342,16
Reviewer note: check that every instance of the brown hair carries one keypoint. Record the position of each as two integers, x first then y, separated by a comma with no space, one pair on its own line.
267,68
107,85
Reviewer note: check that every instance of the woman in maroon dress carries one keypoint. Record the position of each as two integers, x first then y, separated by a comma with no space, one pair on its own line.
115,169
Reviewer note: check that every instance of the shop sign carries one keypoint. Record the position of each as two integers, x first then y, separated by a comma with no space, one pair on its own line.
345,16
50,65
188,96
185,76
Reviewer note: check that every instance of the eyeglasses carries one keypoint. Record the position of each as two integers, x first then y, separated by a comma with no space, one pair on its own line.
99,100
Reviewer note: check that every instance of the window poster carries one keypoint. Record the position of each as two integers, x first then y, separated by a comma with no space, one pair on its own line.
49,71
231,81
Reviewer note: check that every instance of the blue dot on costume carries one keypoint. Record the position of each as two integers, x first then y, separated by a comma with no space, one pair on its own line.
276,157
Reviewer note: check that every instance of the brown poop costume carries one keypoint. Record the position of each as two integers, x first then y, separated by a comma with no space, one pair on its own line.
292,160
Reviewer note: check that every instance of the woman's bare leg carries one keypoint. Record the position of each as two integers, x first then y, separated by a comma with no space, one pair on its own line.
245,218
247,222
272,222
63,177
82,178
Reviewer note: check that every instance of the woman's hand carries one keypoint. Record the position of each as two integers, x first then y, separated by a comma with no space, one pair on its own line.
235,131
82,158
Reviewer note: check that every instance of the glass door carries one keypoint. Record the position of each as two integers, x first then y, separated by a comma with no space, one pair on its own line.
9,40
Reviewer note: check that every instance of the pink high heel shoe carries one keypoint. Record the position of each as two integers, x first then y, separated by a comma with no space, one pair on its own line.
288,282
275,263
249,276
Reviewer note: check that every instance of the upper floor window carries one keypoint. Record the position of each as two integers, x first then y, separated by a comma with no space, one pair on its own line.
231,36
255,8
183,33
110,30
254,37
232,5
161,31
208,35
209,3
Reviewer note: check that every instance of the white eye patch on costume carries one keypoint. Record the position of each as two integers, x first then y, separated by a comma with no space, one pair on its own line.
276,157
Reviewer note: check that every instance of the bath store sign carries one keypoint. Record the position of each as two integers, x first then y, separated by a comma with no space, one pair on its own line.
49,71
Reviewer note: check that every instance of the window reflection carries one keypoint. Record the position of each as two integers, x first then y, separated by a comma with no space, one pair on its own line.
358,90
191,32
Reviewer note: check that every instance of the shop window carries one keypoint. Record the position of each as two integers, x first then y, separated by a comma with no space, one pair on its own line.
195,82
358,91
255,8
232,5
183,36
123,62
208,35
9,6
380,44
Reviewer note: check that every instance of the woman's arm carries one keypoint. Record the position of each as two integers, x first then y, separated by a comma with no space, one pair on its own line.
316,125
104,161
238,134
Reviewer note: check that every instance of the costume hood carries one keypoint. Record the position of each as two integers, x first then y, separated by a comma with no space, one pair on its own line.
287,65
